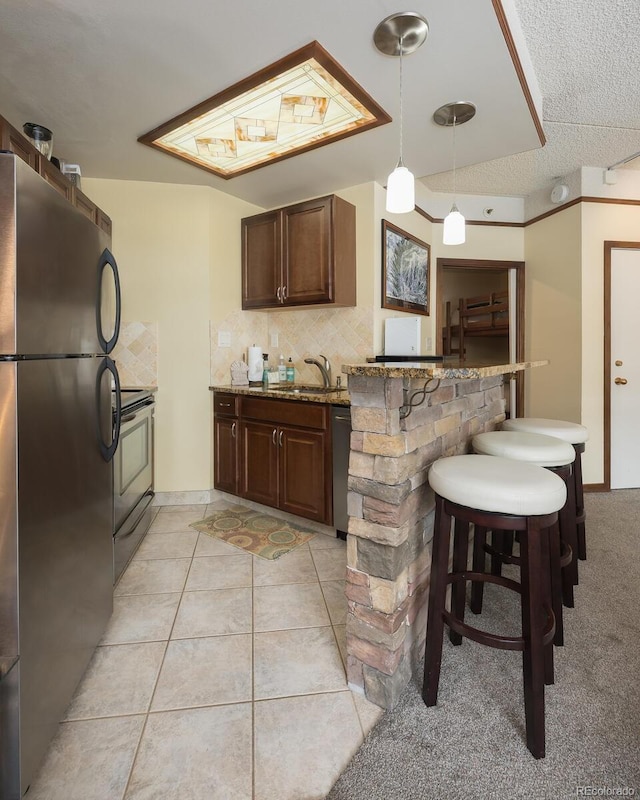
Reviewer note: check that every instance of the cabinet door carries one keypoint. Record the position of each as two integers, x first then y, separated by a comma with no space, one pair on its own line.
226,449
259,462
82,202
307,269
11,139
303,480
261,261
55,178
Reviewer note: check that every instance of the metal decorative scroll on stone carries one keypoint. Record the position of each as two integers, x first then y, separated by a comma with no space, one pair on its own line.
408,407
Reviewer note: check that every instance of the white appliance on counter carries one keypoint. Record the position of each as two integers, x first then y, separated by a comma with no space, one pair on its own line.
402,336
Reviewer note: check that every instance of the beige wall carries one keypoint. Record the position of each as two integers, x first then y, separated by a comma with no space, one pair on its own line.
553,315
173,243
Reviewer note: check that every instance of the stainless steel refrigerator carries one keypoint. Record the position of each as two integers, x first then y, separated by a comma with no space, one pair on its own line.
57,438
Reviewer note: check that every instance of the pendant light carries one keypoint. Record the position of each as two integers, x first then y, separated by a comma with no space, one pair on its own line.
453,114
399,35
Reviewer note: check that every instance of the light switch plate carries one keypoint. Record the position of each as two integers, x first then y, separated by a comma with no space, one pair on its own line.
224,339
274,339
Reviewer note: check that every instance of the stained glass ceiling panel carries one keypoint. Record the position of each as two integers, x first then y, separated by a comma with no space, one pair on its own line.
301,102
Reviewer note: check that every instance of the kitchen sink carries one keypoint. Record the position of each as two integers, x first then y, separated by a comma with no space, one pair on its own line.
300,389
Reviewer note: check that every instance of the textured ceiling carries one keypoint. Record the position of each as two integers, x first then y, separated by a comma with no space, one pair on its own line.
100,74
587,60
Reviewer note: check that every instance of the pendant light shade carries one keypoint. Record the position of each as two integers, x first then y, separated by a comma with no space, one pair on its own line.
454,227
453,114
401,191
398,35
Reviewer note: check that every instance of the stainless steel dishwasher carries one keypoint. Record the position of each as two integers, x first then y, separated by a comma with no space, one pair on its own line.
341,433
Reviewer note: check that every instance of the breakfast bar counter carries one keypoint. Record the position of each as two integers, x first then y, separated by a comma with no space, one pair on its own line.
404,417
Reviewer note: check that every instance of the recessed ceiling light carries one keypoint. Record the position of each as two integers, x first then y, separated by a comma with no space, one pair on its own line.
301,102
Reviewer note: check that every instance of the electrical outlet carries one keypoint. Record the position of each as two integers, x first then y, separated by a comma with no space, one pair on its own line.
429,344
224,339
274,339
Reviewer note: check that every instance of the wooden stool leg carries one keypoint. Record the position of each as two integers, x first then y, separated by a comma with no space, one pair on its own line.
569,534
458,589
556,576
531,578
437,595
580,512
479,565
547,593
497,542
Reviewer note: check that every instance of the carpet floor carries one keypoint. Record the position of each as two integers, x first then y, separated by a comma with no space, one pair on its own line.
471,745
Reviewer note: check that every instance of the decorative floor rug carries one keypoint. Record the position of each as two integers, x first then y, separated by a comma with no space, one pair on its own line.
260,534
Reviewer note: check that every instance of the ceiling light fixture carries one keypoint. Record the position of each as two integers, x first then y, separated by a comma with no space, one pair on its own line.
399,35
301,102
450,115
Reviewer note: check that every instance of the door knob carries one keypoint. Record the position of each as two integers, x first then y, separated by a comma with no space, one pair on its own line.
621,381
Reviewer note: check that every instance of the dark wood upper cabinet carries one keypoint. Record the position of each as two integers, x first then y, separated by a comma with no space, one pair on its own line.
261,270
55,178
300,255
82,203
11,139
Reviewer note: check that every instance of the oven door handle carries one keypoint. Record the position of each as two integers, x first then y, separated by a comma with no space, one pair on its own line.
129,418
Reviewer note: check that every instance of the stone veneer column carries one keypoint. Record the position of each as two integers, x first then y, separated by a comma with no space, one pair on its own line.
391,511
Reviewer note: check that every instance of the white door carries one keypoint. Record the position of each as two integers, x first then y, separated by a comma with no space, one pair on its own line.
625,369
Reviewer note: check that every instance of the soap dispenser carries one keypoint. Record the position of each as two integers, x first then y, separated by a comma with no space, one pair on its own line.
291,371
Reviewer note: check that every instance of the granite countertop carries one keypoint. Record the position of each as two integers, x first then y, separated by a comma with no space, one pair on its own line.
449,368
340,398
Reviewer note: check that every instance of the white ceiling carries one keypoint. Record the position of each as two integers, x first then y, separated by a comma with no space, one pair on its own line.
100,74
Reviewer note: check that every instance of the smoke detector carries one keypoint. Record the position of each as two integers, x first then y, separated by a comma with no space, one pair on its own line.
559,193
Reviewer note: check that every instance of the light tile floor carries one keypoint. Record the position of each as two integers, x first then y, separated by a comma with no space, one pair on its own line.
220,677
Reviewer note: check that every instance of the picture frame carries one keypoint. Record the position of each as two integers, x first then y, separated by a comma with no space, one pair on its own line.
405,271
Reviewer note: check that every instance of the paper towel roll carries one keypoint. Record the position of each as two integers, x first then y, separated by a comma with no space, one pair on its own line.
254,359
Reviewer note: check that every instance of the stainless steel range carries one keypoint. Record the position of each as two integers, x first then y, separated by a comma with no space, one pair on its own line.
132,474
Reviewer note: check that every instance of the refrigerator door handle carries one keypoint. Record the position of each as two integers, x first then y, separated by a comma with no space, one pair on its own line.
107,260
108,450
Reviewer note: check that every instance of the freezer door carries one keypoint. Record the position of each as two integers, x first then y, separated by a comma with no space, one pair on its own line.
65,538
52,270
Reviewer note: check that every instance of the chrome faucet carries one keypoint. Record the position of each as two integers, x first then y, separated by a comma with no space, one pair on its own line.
325,368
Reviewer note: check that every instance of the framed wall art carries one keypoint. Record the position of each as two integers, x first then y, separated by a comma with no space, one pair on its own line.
405,271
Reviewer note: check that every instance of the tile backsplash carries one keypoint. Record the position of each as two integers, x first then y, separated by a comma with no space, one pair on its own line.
136,354
342,335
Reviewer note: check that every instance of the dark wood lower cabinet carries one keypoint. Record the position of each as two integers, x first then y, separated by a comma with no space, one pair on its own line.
226,450
302,471
282,465
259,462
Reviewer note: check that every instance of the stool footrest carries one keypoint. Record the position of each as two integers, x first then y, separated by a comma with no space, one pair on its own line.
493,639
504,557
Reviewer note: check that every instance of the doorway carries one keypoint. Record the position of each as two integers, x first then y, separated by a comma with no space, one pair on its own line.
621,365
480,316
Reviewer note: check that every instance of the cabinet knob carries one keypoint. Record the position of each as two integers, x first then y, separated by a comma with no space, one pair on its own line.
618,363
621,381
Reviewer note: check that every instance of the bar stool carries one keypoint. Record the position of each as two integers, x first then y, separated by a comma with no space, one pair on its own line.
497,494
576,435
557,456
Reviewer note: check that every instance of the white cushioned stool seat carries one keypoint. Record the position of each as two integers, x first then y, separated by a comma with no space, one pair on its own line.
569,431
532,448
490,483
